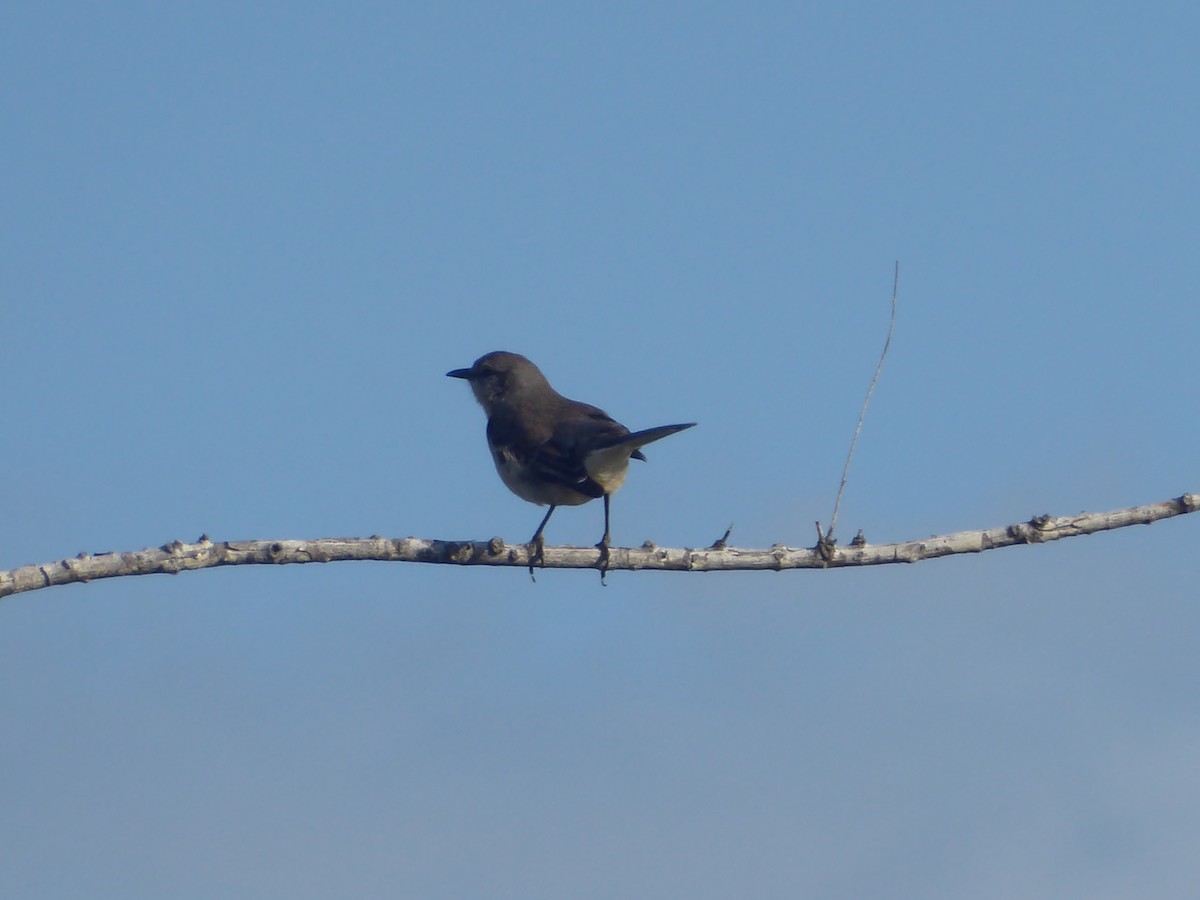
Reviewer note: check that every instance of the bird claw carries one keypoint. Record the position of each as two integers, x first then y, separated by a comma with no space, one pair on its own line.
537,555
602,561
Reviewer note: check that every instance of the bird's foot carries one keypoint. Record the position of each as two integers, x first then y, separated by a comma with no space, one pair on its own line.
602,561
537,554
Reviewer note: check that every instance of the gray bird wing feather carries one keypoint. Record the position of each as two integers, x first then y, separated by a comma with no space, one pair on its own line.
560,455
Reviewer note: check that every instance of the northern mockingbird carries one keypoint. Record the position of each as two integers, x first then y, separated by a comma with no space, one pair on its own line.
550,450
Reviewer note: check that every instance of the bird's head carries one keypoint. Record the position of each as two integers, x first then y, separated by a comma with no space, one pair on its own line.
501,377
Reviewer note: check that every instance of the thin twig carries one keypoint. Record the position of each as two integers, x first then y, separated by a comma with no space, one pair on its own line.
828,537
180,557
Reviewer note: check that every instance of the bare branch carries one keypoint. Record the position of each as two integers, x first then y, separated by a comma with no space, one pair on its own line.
178,557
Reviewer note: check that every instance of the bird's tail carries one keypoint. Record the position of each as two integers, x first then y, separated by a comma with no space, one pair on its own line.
607,464
639,439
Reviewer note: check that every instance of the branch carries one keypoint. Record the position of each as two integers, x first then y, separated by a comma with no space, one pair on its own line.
178,557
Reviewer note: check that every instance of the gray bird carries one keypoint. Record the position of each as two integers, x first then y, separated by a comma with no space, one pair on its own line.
550,450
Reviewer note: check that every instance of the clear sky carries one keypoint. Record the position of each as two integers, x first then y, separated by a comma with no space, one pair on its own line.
241,244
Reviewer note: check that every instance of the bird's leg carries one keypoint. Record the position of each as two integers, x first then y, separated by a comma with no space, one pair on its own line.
538,552
605,543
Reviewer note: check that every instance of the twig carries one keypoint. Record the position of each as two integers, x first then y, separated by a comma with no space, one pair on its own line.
827,537
179,557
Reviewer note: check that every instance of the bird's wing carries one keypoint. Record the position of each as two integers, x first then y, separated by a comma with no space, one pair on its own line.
558,456
565,453
561,456
563,465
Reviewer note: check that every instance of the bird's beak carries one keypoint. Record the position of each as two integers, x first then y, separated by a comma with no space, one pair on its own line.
459,373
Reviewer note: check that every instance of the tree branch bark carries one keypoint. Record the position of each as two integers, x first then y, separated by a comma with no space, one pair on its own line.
177,556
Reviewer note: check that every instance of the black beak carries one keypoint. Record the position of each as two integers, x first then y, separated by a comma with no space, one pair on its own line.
459,373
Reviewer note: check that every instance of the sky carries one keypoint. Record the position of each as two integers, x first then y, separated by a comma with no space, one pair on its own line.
243,244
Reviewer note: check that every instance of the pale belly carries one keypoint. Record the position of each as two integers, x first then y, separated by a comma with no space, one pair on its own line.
606,468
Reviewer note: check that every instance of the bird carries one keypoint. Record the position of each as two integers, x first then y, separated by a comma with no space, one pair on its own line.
551,450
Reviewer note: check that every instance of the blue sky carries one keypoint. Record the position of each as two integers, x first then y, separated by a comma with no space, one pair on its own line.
242,246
